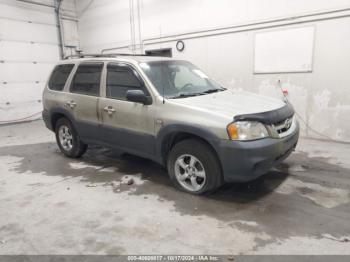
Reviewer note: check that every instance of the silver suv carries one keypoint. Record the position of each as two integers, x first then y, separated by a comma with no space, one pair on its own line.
171,112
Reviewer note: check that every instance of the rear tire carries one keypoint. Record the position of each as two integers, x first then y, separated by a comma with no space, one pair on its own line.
68,139
194,167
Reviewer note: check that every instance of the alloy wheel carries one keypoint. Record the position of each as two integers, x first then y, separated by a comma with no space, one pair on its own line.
190,172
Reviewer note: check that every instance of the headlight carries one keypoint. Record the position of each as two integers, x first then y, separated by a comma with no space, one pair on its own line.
246,130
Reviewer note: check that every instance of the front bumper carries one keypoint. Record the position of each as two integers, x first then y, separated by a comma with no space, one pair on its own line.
246,160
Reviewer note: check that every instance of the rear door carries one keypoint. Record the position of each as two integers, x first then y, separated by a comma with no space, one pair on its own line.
84,97
125,124
55,95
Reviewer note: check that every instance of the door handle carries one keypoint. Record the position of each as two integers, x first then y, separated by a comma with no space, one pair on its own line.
71,104
110,110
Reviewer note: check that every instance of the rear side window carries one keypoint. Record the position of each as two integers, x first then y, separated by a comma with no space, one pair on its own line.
87,79
120,79
59,77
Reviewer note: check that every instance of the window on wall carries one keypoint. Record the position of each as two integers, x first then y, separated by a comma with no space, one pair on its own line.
166,52
87,79
120,79
284,51
59,76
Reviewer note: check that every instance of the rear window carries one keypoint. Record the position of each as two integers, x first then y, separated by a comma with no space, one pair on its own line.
59,76
87,79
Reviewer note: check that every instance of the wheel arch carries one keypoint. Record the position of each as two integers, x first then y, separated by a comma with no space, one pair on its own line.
57,113
171,135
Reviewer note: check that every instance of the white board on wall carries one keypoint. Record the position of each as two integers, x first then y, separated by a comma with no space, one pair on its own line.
284,51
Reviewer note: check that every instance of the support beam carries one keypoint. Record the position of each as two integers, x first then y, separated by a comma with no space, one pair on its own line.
58,4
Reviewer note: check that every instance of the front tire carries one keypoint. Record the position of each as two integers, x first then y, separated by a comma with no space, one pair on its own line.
68,139
194,167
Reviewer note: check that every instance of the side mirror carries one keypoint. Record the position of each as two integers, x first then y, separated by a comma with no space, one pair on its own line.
138,96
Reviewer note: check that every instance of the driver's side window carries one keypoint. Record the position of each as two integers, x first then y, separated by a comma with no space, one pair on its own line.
184,77
120,79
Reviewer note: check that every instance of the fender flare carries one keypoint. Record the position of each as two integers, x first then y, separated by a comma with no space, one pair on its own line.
208,136
66,113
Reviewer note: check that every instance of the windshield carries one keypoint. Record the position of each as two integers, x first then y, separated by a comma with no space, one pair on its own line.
176,79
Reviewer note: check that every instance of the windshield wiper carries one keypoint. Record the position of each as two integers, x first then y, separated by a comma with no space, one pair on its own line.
209,91
182,95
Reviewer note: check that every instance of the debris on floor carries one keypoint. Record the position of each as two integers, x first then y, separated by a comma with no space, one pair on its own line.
127,181
91,185
115,184
130,182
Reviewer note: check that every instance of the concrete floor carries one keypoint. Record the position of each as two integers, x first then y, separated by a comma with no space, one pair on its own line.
50,204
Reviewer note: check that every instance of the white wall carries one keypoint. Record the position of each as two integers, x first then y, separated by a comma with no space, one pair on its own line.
322,97
29,48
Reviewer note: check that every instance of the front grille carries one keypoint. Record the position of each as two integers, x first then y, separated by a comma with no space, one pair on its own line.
283,126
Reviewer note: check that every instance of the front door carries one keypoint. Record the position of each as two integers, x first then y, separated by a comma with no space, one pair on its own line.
125,124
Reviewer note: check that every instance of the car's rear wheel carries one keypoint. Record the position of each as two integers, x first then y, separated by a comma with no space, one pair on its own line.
68,139
193,167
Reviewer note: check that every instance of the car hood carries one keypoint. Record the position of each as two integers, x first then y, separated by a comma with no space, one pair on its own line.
231,103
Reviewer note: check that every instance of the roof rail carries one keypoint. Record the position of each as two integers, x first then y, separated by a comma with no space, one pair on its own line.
101,55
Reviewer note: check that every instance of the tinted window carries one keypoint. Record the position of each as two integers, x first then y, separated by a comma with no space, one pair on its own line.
87,79
120,79
175,78
59,77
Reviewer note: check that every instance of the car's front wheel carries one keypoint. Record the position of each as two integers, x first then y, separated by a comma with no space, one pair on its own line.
193,167
68,139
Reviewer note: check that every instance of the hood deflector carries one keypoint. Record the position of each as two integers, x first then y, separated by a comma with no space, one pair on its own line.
269,117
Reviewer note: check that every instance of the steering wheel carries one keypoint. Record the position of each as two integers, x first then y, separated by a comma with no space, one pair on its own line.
187,86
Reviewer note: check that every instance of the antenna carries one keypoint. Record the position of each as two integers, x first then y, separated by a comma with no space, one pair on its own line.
279,83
